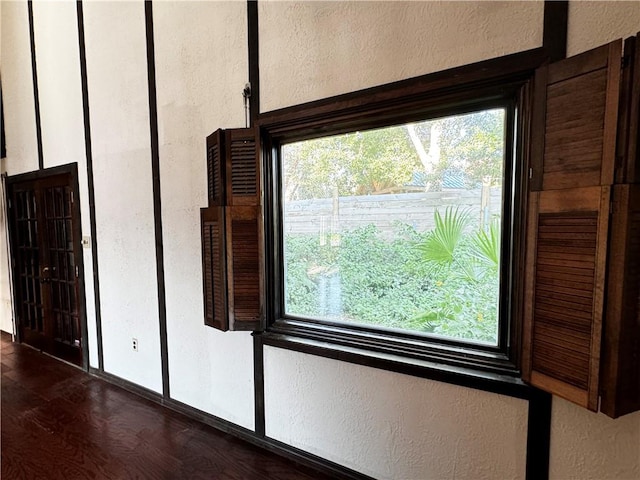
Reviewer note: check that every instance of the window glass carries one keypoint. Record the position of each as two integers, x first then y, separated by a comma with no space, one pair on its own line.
398,227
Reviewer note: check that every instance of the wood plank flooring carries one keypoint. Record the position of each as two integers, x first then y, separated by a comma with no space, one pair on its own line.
59,422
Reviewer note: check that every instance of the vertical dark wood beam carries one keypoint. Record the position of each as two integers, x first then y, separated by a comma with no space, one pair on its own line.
90,180
254,64
34,74
157,196
258,383
538,435
3,142
254,110
554,33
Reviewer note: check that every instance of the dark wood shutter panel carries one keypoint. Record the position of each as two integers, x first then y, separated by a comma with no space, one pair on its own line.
215,168
566,262
232,232
575,120
214,267
573,156
244,260
628,157
243,172
621,349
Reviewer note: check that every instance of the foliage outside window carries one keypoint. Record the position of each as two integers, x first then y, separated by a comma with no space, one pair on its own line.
398,227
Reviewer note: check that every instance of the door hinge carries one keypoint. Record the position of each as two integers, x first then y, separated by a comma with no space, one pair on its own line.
77,272
530,173
9,203
71,196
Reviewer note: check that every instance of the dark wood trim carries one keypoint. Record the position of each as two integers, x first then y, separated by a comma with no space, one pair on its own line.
538,435
36,95
408,344
258,383
254,63
3,140
300,456
442,90
90,180
554,33
456,375
38,174
127,385
79,258
157,195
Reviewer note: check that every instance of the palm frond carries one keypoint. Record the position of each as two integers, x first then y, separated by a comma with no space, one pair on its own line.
440,245
486,245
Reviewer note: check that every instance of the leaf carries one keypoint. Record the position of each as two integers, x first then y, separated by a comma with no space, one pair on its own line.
486,246
441,243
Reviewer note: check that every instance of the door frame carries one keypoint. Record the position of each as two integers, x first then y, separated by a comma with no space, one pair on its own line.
72,170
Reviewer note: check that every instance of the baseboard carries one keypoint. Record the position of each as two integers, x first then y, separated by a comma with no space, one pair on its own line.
294,454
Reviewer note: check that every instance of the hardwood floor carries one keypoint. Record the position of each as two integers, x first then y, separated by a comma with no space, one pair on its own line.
59,422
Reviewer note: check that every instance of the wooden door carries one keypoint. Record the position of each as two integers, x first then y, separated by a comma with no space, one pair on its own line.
46,246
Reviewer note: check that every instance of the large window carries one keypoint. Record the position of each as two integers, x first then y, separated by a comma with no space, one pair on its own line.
394,223
399,227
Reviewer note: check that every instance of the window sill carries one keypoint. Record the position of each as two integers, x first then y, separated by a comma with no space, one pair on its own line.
299,336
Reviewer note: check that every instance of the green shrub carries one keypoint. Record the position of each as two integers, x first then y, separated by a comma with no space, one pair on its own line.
445,281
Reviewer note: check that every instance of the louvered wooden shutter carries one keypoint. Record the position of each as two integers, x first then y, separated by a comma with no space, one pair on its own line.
620,383
242,231
244,259
628,158
243,179
573,155
620,372
215,168
214,267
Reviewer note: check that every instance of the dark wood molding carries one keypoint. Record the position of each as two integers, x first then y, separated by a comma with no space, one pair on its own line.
254,61
157,195
307,459
554,34
3,140
456,375
258,383
127,385
36,95
79,258
442,91
538,435
90,180
69,168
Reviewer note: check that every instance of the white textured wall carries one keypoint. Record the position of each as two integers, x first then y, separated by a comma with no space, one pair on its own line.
17,89
60,91
585,445
392,426
119,103
201,68
590,446
20,125
312,50
592,24
62,120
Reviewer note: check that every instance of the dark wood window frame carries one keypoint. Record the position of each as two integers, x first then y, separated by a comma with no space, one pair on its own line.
501,82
